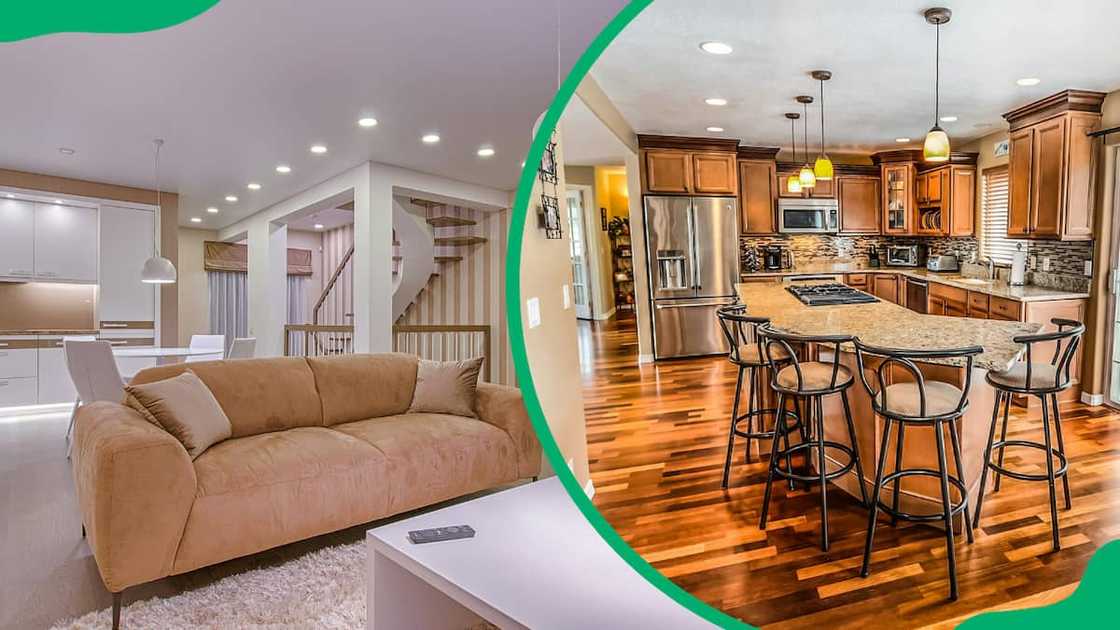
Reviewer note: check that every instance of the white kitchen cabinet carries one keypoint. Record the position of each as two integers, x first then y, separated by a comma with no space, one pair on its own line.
65,243
54,385
17,362
127,240
17,392
17,239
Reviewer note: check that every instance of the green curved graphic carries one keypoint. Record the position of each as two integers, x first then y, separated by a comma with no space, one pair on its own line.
22,19
1085,608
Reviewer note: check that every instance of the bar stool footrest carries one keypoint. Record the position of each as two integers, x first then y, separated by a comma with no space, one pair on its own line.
954,508
786,474
1058,471
760,435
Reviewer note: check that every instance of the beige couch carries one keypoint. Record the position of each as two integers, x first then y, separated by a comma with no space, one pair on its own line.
318,445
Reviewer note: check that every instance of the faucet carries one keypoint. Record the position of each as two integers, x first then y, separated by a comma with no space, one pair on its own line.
991,269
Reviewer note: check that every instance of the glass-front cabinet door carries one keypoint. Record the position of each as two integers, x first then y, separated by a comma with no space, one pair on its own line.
898,201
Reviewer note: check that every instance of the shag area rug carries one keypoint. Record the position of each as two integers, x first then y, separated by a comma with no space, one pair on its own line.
323,589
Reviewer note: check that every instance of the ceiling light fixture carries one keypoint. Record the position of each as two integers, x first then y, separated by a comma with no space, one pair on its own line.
902,140
793,182
10,196
936,147
318,149
808,179
58,201
948,119
485,152
1028,82
231,198
716,48
196,220
157,269
715,129
212,210
253,186
318,226
716,102
66,151
283,168
822,169
430,138
367,122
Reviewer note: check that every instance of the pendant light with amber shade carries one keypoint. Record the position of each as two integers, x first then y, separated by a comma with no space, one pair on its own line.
822,169
936,147
808,179
793,182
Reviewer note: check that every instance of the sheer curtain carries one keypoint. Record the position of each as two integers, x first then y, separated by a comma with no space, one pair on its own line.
229,303
339,307
297,310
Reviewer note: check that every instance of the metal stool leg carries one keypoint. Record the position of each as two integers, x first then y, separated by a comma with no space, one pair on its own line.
876,489
822,470
946,508
897,467
779,425
751,406
855,448
731,431
1050,476
956,443
1002,438
987,459
1061,448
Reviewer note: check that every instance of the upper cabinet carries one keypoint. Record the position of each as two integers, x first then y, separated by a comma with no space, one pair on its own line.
127,239
757,197
858,201
65,243
924,199
1052,164
822,189
898,198
688,166
17,239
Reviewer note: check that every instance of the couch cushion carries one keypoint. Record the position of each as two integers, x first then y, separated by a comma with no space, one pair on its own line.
261,491
435,457
183,407
258,395
360,386
446,387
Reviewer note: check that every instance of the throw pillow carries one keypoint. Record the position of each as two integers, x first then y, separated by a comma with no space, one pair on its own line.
184,407
446,387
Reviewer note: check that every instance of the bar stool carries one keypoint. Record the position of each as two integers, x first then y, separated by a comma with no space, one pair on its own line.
809,382
1046,381
921,402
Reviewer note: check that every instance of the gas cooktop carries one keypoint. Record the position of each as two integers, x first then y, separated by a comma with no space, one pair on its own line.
829,295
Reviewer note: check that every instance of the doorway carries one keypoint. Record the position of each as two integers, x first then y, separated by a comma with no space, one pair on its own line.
1112,370
581,275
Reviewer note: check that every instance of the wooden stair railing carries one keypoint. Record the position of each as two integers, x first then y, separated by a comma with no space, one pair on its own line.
330,284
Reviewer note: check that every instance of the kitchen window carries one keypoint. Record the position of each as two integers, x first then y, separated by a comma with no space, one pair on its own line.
994,243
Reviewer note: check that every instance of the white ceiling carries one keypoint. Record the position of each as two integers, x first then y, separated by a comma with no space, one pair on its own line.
329,219
587,141
245,87
881,55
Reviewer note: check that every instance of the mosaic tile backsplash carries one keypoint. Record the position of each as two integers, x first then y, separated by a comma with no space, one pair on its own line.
1067,259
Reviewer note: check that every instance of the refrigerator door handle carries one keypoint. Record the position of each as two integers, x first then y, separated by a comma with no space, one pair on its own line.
692,245
725,302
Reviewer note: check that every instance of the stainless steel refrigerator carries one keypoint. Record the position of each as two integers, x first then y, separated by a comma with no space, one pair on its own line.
692,253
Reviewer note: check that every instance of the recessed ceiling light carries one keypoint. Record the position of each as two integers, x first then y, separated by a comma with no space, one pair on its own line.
948,119
283,168
367,122
318,226
715,129
902,140
66,150
253,186
430,138
718,102
716,48
58,201
231,198
485,151
196,220
318,148
1029,81
11,196
212,210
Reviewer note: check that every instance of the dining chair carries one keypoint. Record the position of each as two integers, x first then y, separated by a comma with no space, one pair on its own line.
95,375
207,342
242,348
77,401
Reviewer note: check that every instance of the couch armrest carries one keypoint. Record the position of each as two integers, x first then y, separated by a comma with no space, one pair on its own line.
504,408
135,485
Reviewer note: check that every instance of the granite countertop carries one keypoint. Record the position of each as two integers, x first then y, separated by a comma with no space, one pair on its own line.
997,288
888,325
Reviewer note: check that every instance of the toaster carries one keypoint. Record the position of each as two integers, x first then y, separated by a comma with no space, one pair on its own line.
947,262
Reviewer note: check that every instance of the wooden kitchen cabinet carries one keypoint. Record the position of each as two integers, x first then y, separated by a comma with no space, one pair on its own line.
674,165
885,286
858,202
714,173
898,202
757,195
856,281
946,201
1003,308
668,171
946,300
823,189
977,305
962,200
17,239
1052,164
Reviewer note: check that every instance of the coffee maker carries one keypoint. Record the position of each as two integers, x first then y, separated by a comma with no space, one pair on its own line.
775,258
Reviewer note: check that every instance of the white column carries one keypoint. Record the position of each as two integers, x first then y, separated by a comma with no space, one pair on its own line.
268,286
373,261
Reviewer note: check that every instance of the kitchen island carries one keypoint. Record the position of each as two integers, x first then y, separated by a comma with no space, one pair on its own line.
889,325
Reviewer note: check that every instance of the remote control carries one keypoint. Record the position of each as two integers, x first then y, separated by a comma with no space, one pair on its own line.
437,534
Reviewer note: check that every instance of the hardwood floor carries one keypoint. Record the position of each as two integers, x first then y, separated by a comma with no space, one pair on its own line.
657,436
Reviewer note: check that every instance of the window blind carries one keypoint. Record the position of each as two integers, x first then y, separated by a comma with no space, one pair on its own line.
994,243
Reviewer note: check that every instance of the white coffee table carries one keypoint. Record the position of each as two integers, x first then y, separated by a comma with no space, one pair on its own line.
535,562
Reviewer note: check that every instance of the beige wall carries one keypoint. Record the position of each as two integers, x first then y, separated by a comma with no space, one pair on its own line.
985,147
194,297
551,347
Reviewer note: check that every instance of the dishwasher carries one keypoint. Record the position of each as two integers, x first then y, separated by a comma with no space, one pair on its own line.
917,292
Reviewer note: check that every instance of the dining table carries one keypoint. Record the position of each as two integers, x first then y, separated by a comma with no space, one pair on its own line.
166,354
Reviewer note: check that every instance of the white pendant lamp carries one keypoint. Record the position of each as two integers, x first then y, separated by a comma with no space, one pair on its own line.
157,269
822,169
808,179
793,182
936,146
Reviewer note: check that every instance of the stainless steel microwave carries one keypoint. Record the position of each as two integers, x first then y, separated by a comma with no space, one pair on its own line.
807,216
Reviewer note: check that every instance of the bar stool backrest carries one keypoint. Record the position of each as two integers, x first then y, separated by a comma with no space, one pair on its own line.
1069,333
740,329
775,339
904,358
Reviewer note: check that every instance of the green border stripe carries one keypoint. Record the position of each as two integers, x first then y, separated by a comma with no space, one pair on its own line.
516,331
23,19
